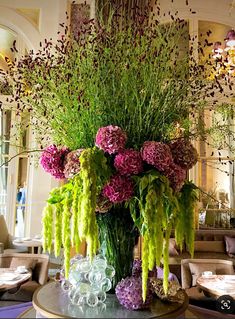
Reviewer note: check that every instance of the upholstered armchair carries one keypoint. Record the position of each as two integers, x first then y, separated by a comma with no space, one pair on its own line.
191,269
7,240
38,264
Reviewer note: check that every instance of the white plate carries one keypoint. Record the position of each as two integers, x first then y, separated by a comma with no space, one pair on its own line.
8,276
38,237
208,276
18,241
26,239
23,271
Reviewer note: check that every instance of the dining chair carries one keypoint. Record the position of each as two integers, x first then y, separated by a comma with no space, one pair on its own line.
39,266
195,294
6,239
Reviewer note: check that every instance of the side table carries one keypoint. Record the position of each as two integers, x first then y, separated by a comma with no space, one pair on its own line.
30,244
50,301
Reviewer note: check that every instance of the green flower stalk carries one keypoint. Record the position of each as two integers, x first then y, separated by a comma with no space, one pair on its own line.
66,233
74,204
185,223
88,228
47,220
145,265
75,213
166,260
158,208
58,229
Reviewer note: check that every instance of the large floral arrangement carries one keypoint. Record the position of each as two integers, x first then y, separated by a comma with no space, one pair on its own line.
120,103
147,180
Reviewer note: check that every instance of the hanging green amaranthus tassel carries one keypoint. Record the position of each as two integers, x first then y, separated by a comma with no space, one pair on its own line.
66,232
47,227
185,224
58,229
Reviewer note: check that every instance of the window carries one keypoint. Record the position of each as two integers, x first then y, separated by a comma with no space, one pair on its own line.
5,126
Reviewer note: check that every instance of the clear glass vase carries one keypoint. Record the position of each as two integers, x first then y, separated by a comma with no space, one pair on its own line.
118,237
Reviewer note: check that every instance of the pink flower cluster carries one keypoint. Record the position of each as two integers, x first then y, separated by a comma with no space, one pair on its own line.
184,153
72,163
157,154
128,162
53,159
171,160
118,189
111,139
176,176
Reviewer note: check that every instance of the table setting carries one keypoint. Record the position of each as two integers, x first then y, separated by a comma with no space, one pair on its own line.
31,243
218,285
12,277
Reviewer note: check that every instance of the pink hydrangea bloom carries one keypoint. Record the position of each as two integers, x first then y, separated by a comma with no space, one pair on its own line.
72,163
53,159
111,139
119,189
184,153
157,154
128,162
176,176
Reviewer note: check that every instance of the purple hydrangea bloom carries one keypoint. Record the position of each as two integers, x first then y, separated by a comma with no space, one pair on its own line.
129,293
119,189
176,176
137,269
157,154
53,159
184,153
128,162
111,139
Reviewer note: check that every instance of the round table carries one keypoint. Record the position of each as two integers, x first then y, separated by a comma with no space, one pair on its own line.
50,301
9,284
29,313
217,285
31,244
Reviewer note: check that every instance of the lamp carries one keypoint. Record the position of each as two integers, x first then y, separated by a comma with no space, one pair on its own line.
225,58
230,39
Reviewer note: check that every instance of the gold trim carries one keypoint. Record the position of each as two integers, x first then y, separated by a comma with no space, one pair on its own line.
180,310
43,311
22,314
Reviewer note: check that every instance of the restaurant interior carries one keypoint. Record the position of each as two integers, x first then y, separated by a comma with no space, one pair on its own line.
117,159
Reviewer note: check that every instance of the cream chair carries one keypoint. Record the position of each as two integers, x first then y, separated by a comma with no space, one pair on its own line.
192,268
38,263
220,267
7,240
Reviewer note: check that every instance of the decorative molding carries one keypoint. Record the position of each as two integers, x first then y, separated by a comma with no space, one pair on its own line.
32,15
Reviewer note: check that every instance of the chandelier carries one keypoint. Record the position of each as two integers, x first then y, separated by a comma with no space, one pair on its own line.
224,56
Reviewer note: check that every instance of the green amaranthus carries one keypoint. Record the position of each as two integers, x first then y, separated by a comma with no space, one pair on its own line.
75,202
159,209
